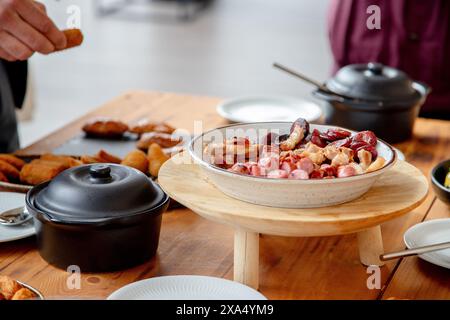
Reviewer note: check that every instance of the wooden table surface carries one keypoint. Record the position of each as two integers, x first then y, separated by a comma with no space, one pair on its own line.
290,268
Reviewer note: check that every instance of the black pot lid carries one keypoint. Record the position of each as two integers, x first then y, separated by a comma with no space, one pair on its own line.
98,192
374,82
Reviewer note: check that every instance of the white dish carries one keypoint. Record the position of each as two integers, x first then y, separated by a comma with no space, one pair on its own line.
284,193
268,108
11,200
186,288
427,233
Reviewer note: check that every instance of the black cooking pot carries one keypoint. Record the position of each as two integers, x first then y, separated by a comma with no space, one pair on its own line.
102,217
374,97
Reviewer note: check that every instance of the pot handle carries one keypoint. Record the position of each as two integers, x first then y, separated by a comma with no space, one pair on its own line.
425,86
327,96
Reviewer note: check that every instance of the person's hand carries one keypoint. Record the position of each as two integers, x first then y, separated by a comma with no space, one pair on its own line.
25,28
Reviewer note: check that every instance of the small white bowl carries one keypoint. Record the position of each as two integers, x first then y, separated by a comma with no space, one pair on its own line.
284,193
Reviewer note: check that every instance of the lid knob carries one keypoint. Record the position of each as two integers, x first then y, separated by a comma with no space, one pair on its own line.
100,171
375,68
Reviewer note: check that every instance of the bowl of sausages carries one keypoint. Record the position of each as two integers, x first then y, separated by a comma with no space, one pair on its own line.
292,165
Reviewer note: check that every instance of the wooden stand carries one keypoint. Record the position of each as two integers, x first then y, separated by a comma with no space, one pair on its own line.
401,189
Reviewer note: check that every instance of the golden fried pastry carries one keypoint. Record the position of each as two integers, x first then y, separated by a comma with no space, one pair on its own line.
3,178
74,38
145,126
164,128
136,159
91,159
107,157
23,294
38,171
9,170
8,287
105,128
2,297
67,161
156,157
12,160
165,140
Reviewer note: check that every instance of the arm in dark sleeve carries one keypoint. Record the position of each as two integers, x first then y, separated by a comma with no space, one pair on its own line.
17,75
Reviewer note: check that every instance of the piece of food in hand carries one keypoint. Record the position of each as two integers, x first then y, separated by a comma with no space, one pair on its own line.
9,170
39,171
12,160
447,179
8,287
74,38
3,178
105,128
107,157
67,161
165,140
23,294
136,159
85,159
156,157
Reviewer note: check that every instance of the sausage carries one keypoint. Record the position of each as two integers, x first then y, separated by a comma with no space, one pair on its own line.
299,174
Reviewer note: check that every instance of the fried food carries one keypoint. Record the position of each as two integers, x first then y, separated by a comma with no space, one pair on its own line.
3,178
145,126
9,170
165,140
67,161
12,160
38,171
105,128
23,294
74,38
8,287
91,159
156,158
136,159
107,157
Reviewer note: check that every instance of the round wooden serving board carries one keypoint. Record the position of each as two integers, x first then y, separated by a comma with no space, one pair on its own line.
397,192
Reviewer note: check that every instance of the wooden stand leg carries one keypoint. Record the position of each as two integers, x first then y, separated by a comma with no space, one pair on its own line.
370,244
246,258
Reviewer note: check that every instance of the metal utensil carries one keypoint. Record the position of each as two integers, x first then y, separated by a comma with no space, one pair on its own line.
15,217
415,251
322,88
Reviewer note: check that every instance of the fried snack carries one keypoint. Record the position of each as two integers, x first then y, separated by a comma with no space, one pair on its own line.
164,128
136,159
145,126
156,157
8,287
377,164
38,171
2,297
67,161
3,178
105,128
23,294
9,170
165,140
107,157
91,159
12,160
74,38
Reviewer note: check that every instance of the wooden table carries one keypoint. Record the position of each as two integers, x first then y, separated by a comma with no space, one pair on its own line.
290,268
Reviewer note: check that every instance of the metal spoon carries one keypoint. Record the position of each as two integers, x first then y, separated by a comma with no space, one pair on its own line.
415,251
15,217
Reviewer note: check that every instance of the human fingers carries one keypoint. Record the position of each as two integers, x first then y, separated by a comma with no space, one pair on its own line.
6,56
14,47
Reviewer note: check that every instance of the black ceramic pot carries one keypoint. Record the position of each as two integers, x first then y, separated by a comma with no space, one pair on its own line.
374,97
99,217
438,175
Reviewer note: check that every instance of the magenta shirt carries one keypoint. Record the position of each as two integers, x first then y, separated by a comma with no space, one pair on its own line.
414,37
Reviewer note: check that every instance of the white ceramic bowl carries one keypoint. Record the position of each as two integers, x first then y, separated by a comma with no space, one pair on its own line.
283,193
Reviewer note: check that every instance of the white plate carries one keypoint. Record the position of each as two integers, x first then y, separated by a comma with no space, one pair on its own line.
427,233
11,200
268,108
186,288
